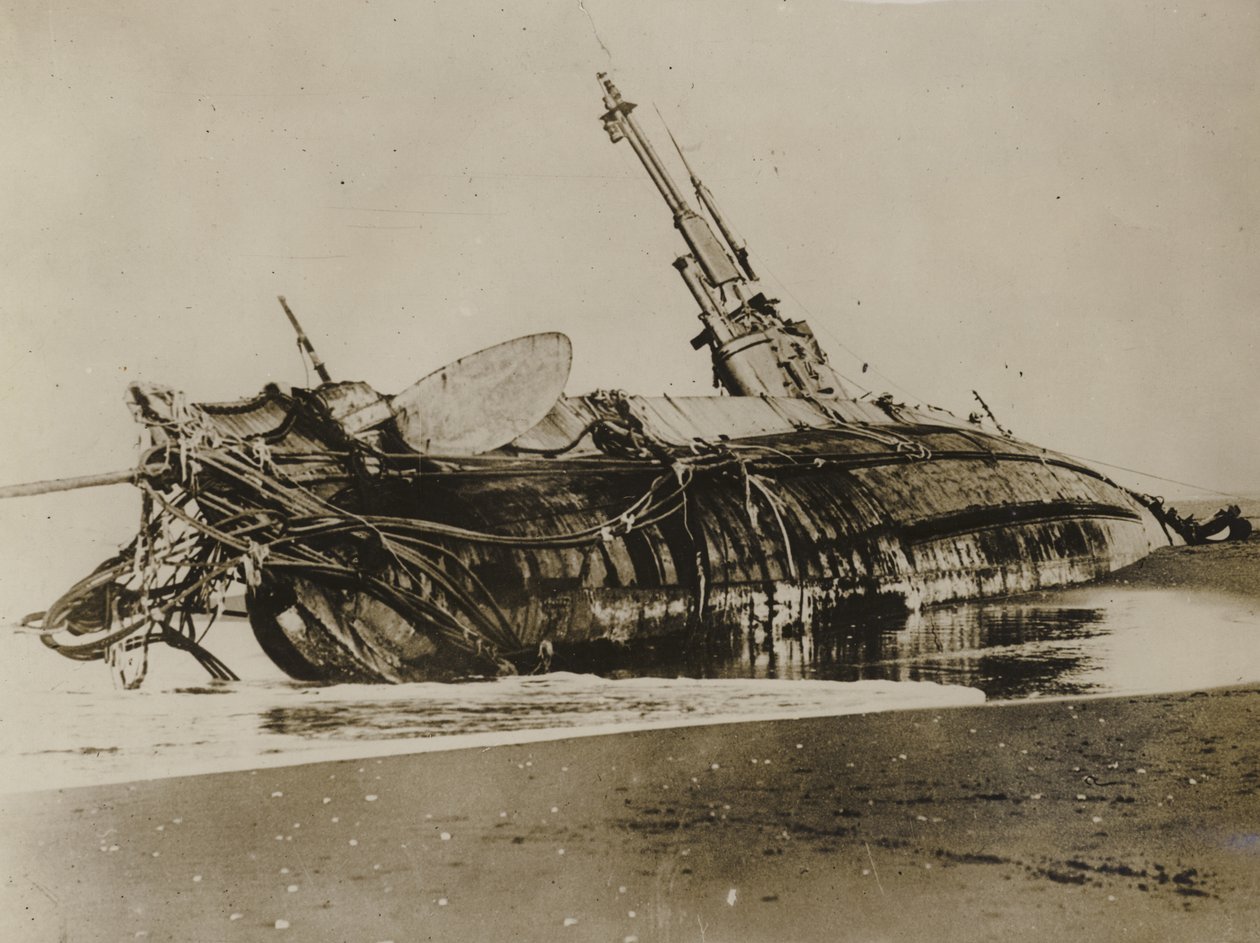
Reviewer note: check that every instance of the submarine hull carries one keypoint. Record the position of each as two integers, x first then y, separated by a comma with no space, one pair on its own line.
774,537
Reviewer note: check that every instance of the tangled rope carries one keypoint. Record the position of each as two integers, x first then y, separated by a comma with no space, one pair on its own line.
222,511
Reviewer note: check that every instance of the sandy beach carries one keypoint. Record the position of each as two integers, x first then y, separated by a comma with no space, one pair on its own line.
1132,818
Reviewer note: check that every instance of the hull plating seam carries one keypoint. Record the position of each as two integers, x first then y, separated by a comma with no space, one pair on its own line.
987,517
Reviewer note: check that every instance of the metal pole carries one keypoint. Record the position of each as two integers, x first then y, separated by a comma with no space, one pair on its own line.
30,488
305,342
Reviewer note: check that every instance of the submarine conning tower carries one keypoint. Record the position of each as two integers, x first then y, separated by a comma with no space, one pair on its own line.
755,350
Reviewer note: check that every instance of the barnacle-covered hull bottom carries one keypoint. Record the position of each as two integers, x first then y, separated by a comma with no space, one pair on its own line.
758,546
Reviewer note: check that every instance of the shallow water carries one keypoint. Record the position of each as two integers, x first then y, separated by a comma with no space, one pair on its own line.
64,724
1085,641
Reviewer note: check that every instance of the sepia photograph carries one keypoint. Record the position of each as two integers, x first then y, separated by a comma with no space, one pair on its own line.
756,471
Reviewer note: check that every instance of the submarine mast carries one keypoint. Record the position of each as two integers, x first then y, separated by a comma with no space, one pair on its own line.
755,350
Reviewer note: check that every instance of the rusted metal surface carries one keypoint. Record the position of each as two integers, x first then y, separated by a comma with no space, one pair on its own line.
836,520
681,420
799,511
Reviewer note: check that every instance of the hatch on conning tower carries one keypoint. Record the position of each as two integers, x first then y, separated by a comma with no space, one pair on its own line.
755,350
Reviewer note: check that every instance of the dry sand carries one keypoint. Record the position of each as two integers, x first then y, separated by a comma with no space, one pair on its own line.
1120,819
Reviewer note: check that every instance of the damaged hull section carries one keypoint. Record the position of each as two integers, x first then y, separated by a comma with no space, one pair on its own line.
791,532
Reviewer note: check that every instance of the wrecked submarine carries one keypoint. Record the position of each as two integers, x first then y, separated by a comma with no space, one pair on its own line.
482,522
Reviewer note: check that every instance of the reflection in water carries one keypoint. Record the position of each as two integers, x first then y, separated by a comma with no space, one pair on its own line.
1099,640
1008,649
1085,641
1103,640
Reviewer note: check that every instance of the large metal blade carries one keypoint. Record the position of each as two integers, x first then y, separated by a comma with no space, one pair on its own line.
487,399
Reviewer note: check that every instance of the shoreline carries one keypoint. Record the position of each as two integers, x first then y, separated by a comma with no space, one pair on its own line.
1130,817
959,823
866,697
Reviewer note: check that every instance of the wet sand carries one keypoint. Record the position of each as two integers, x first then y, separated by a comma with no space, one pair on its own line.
1226,567
1131,819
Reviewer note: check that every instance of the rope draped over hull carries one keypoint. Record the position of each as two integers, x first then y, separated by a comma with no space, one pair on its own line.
364,562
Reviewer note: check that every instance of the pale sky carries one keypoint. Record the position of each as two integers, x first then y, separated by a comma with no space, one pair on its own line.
1054,203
